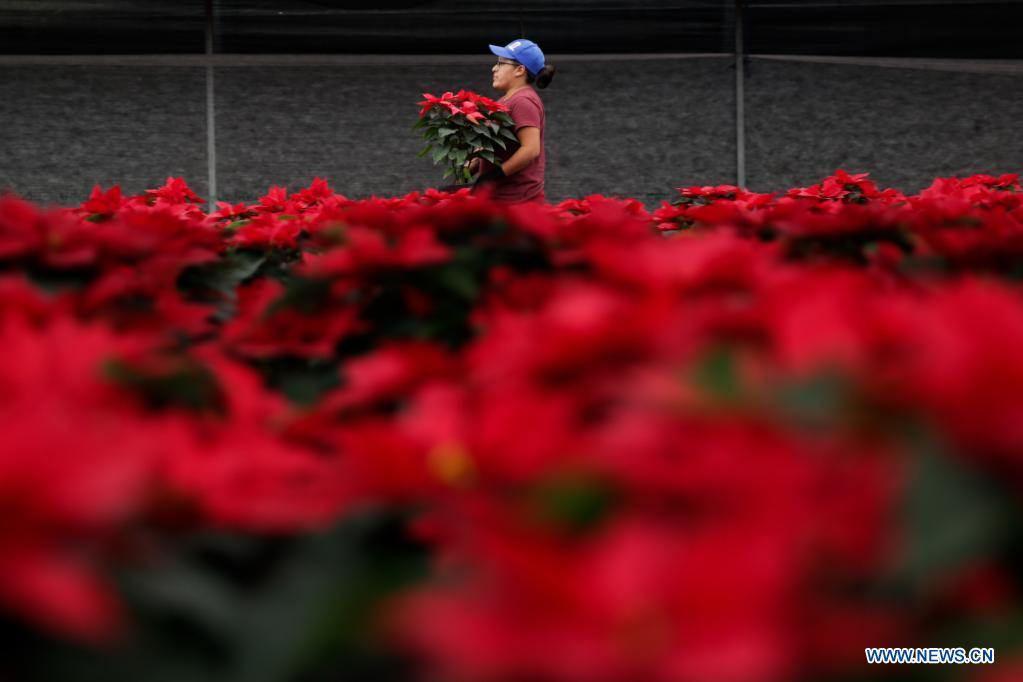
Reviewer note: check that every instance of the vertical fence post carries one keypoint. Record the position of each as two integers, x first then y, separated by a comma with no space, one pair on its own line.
211,133
740,104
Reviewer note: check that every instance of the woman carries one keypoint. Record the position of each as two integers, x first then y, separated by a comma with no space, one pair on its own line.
519,175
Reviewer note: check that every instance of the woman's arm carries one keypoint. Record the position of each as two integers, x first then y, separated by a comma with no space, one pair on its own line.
529,149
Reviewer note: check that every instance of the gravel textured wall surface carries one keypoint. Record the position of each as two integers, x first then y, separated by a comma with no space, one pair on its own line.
903,126
632,128
66,128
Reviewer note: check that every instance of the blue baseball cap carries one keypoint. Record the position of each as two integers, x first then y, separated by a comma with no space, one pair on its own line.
525,52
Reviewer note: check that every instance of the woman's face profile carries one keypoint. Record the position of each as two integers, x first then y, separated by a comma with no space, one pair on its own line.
506,73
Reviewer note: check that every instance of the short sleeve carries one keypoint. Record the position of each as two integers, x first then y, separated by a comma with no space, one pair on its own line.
525,112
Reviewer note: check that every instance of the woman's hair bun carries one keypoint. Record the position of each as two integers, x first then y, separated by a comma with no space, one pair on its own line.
546,75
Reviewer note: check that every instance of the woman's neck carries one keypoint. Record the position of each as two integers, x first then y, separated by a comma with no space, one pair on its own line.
514,90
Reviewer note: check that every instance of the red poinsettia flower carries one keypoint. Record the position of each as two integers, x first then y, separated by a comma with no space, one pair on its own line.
102,203
79,459
22,228
174,191
267,231
275,201
228,212
430,101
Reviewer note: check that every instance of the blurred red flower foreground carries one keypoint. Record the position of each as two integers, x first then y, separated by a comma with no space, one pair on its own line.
740,438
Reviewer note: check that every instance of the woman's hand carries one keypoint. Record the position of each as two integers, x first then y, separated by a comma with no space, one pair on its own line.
473,164
491,177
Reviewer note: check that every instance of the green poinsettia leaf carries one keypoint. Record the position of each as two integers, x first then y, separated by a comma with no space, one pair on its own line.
718,377
426,149
573,503
439,154
956,514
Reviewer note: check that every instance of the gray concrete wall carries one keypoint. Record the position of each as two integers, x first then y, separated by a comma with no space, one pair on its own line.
903,126
64,129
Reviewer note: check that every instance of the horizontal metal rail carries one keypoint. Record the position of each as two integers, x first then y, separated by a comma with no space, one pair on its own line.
994,66
318,59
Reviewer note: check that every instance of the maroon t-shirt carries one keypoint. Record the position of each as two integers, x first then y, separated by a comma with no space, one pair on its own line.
526,109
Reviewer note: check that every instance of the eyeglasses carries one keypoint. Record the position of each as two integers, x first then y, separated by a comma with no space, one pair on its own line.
500,63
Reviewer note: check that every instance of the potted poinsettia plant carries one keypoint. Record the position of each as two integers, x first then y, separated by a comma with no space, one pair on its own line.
463,125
